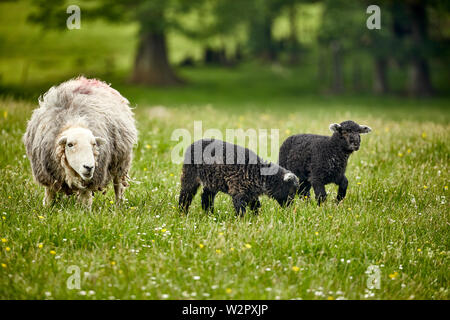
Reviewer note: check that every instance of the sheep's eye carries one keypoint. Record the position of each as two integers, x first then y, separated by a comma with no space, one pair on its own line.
70,145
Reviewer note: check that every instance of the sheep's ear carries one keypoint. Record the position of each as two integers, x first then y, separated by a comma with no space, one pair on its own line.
289,177
62,141
364,129
100,141
335,127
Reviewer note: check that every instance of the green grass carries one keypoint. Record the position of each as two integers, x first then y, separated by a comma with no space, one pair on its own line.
395,215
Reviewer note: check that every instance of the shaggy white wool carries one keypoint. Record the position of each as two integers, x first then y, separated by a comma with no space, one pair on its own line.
81,103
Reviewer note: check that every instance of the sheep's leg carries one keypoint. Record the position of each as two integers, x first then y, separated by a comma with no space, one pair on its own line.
189,186
239,203
49,197
255,205
208,200
304,189
85,197
119,189
186,196
342,191
319,190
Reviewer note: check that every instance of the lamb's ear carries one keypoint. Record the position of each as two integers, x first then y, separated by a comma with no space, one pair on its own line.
100,141
364,129
289,177
335,127
62,141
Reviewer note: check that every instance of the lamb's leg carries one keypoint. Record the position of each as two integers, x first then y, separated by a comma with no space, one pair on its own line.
255,205
342,191
239,203
85,197
189,186
304,189
49,197
208,199
319,190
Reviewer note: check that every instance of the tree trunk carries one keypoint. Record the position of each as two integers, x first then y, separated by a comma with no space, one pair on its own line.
151,65
338,79
261,41
380,81
357,76
293,41
419,76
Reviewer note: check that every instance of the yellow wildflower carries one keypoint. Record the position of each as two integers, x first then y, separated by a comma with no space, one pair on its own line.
393,275
295,268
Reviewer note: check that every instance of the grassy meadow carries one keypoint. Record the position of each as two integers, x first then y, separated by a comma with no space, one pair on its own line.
395,215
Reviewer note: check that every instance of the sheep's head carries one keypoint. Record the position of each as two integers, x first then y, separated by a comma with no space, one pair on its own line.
80,149
286,191
348,132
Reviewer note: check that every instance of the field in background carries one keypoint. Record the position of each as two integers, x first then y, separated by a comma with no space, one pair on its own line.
395,215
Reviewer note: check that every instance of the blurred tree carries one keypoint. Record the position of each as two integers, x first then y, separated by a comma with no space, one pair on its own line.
412,42
419,76
261,18
340,32
155,18
381,45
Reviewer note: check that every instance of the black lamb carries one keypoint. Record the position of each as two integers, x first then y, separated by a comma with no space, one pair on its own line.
237,171
320,160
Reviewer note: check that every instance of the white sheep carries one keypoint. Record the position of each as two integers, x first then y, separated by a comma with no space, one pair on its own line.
80,138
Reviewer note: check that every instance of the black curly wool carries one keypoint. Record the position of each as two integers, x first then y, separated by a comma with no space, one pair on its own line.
237,171
320,160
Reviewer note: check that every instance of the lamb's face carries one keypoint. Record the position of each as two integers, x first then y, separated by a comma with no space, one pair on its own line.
291,184
288,188
80,148
349,132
